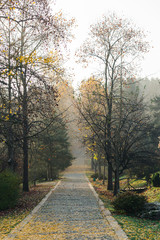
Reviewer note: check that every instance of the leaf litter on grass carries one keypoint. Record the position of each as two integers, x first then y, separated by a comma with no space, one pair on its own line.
28,200
136,228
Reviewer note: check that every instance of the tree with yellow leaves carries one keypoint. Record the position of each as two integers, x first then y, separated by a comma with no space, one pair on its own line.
28,31
93,110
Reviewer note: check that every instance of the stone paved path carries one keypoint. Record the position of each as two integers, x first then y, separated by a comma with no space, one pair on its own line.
70,212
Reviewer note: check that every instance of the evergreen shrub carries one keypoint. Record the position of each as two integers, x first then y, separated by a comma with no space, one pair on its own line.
130,202
9,189
156,180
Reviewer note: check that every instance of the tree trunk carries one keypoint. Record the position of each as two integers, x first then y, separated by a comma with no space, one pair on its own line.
92,162
25,155
11,161
25,112
95,166
25,135
51,170
104,172
47,171
99,168
110,180
116,182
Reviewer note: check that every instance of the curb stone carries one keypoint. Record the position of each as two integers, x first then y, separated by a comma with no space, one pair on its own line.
19,227
106,213
121,235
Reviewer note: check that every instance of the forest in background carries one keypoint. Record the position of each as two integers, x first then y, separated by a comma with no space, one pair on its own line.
118,113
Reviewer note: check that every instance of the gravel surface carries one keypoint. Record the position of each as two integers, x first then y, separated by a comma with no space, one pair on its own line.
70,212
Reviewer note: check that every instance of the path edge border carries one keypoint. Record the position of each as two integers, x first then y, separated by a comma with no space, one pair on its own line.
20,225
121,235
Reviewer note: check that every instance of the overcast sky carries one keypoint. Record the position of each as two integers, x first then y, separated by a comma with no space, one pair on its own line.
144,13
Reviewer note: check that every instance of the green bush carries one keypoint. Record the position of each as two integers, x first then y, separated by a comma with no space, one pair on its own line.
9,189
129,202
156,180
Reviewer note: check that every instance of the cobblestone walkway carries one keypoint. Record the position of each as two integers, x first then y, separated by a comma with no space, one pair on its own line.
70,212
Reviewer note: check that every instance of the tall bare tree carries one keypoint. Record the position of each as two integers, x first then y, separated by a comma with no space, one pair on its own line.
115,44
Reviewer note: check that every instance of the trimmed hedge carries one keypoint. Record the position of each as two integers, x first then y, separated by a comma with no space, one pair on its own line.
9,189
129,202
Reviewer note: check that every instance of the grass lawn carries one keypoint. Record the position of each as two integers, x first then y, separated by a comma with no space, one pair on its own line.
28,200
135,228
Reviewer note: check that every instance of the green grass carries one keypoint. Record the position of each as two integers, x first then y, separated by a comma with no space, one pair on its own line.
153,194
135,183
135,228
138,183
